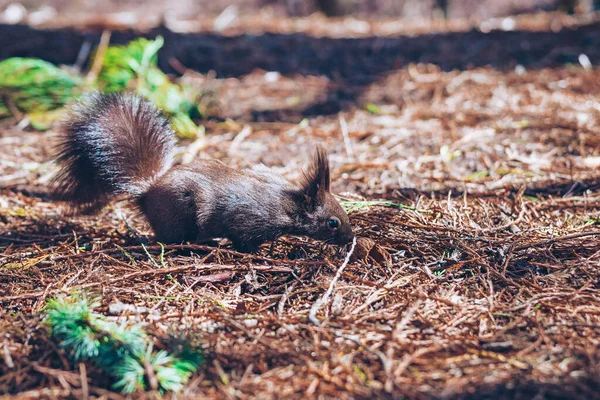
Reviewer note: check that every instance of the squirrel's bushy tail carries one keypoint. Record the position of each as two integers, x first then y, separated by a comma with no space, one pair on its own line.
111,144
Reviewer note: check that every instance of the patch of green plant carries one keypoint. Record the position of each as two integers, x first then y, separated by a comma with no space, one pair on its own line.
373,108
448,155
304,123
354,206
40,89
359,371
32,85
476,176
122,64
123,350
439,273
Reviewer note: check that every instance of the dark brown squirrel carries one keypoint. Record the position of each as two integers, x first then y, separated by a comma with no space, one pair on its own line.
114,145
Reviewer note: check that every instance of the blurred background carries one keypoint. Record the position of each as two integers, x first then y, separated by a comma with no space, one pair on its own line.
190,9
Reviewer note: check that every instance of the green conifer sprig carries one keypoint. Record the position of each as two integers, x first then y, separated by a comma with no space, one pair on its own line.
125,351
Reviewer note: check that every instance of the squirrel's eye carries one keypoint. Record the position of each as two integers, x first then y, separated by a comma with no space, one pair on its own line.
333,223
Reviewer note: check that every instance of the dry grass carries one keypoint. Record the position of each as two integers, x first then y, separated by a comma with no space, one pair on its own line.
486,286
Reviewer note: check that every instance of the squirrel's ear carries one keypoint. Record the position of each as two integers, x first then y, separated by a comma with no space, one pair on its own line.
315,179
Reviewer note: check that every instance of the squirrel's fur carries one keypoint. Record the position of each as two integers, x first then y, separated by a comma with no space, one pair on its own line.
110,145
119,144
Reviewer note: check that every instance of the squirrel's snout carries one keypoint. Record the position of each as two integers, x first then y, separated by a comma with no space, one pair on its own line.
344,236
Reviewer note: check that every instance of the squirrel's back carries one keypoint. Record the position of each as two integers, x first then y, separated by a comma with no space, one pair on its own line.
111,144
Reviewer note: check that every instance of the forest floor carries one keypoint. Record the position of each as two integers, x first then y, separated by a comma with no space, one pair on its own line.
484,283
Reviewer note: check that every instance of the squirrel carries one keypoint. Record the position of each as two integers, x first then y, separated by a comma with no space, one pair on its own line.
112,144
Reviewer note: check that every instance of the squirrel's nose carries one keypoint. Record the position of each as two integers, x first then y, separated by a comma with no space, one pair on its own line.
344,236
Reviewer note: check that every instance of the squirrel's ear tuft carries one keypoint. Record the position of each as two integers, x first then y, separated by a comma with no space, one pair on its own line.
315,179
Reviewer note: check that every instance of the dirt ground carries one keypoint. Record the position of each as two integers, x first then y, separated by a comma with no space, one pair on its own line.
485,284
